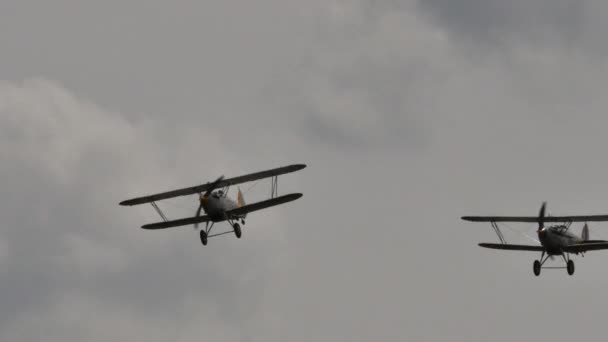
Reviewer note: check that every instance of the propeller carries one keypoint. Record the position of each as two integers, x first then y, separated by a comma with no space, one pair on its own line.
541,220
203,198
541,224
213,186
198,213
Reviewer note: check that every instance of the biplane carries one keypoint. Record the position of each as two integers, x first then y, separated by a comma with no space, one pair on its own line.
218,207
556,240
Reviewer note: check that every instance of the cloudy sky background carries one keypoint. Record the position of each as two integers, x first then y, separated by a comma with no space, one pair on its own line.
409,114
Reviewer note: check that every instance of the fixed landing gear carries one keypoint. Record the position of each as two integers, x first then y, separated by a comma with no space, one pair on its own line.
569,263
536,267
237,230
206,233
570,267
204,238
538,264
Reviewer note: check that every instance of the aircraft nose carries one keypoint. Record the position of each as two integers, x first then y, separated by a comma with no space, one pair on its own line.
541,232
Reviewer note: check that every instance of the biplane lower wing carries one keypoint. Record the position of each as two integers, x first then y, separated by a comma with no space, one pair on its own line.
586,246
534,219
263,205
229,214
204,187
510,247
177,223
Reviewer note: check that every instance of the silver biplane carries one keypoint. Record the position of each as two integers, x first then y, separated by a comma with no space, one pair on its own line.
556,240
217,206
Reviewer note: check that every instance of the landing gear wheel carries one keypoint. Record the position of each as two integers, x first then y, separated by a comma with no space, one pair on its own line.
536,267
204,237
237,230
570,267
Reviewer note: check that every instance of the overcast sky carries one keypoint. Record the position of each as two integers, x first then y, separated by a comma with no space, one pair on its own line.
409,115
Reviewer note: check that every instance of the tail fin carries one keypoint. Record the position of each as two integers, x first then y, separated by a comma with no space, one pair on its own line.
585,233
240,200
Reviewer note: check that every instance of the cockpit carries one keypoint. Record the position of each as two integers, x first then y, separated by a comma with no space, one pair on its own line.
560,229
218,194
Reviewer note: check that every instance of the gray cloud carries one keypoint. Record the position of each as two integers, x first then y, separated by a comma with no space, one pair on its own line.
62,234
570,25
404,128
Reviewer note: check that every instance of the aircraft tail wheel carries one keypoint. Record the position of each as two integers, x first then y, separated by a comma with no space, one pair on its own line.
536,268
237,230
570,267
204,237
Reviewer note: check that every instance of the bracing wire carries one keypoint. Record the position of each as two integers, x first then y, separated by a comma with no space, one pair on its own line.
520,233
178,206
251,187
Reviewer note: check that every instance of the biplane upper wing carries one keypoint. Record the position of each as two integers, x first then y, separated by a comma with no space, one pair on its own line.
177,223
586,246
263,204
510,247
534,219
204,187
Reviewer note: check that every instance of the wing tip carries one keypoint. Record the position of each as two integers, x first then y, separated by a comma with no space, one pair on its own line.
150,226
297,167
132,201
490,245
294,196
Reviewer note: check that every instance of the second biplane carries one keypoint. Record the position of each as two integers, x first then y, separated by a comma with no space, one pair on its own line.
217,206
555,240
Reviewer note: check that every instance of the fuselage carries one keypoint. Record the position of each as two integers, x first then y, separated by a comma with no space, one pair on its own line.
556,237
216,206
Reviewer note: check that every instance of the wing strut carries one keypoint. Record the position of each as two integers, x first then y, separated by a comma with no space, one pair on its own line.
498,232
160,212
274,187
